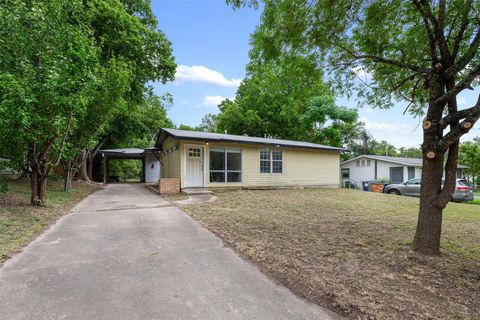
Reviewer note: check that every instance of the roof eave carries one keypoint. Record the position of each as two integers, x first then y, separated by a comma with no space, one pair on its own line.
254,143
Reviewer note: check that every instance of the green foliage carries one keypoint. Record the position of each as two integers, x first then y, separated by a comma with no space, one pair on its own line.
137,52
74,74
209,123
137,124
4,188
186,127
409,152
342,121
349,36
364,143
125,169
285,98
422,52
48,73
470,156
272,97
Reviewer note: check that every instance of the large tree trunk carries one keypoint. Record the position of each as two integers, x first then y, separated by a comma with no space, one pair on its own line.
34,187
429,225
90,165
91,157
42,188
83,166
67,182
435,194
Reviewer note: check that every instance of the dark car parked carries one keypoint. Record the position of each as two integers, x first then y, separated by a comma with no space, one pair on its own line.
463,189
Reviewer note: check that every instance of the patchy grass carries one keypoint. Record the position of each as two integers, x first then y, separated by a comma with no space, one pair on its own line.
350,250
20,223
476,201
172,198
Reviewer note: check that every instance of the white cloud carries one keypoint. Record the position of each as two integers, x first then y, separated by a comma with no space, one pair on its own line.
205,75
212,101
398,134
390,128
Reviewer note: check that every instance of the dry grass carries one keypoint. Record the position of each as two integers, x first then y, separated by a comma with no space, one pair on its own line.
172,198
20,223
349,250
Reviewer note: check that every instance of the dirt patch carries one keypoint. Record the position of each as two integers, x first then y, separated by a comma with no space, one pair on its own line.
172,198
350,250
20,223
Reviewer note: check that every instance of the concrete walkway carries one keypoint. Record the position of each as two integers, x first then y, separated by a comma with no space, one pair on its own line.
124,253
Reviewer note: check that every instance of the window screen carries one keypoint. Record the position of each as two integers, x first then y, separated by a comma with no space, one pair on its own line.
271,161
225,165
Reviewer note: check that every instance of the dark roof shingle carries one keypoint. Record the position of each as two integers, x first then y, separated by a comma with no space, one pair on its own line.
208,136
414,162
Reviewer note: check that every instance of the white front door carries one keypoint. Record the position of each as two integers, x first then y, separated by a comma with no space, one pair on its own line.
194,166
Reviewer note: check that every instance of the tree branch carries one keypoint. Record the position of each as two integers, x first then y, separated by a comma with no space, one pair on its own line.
464,84
431,37
451,118
461,32
441,14
400,64
64,138
466,58
404,80
446,194
438,28
460,129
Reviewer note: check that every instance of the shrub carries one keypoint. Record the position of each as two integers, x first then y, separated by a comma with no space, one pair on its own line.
4,188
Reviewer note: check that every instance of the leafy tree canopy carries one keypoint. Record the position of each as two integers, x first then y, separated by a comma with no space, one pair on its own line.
422,52
470,156
285,98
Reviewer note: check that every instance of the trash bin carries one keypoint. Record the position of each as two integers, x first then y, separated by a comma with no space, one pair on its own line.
365,185
377,187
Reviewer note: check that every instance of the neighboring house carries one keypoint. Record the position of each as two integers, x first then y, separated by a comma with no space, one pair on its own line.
394,169
201,159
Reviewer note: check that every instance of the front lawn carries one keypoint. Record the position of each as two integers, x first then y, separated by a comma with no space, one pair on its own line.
350,250
20,223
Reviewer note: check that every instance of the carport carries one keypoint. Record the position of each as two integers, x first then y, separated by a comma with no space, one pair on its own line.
130,154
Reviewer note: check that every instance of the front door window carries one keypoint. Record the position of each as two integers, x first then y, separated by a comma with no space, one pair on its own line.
194,176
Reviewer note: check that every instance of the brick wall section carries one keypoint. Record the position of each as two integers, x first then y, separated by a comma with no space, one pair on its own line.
169,185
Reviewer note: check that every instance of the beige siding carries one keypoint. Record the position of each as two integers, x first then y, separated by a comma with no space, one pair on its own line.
171,161
300,166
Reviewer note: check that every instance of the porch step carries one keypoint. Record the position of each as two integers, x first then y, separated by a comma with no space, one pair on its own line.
196,191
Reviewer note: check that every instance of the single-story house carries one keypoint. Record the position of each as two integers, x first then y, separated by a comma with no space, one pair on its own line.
202,159
394,169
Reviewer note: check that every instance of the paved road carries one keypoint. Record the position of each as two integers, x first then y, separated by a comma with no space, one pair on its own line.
125,253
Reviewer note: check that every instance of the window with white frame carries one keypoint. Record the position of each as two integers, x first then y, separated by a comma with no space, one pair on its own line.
271,160
225,165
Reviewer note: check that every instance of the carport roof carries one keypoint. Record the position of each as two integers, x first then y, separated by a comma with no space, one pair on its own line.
123,153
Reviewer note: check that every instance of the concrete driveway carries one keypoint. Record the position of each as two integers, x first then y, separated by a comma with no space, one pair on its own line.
125,253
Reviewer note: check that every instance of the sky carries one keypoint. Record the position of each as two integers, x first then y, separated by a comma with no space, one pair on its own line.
211,43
